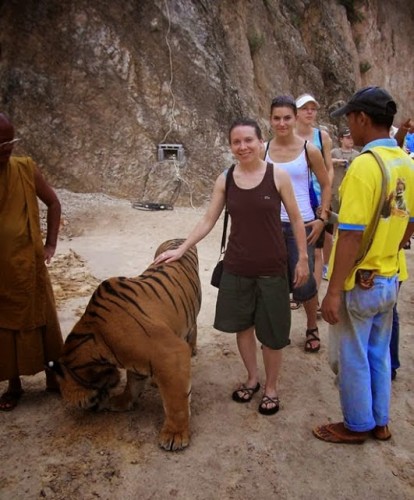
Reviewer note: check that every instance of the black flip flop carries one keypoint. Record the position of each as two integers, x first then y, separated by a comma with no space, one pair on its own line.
266,400
246,391
312,337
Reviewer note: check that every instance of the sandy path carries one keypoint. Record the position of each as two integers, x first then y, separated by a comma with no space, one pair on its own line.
49,451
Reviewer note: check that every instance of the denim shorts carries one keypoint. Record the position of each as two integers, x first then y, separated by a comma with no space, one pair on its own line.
309,289
262,302
321,240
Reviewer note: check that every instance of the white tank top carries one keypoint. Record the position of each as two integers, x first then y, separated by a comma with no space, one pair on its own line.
299,176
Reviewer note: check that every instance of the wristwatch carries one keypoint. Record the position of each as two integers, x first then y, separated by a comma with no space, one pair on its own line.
323,220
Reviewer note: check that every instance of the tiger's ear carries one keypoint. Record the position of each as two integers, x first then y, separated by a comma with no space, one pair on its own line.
56,367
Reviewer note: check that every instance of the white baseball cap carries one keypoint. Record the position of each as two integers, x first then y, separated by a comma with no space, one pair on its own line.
304,99
393,130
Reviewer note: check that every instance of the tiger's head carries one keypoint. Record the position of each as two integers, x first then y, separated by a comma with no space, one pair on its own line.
86,386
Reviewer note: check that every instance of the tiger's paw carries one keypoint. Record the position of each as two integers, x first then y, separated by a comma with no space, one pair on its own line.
174,440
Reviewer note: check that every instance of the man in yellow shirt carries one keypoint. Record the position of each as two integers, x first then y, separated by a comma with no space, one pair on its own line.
362,291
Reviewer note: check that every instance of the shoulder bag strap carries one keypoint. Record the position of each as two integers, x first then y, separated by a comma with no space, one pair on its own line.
306,154
307,161
226,213
374,222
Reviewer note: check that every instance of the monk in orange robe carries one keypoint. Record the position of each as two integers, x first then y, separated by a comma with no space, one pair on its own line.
30,335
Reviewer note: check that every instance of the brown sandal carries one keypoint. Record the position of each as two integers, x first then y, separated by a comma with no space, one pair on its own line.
311,337
338,433
381,432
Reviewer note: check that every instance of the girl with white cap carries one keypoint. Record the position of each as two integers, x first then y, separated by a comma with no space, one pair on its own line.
308,107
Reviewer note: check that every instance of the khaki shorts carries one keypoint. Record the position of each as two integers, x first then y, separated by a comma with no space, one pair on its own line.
261,302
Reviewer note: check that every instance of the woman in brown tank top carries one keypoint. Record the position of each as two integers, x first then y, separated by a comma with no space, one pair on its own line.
253,297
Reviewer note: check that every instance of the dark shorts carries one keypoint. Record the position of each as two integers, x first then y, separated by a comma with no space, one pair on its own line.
261,302
309,289
321,240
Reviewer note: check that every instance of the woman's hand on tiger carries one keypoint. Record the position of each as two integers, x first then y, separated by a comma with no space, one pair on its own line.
169,256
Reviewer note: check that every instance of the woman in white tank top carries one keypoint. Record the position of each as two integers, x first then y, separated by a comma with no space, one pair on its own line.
286,150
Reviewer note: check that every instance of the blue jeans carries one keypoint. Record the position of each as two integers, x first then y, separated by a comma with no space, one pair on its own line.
362,340
395,335
395,339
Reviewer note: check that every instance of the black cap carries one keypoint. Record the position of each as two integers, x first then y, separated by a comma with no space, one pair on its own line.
371,100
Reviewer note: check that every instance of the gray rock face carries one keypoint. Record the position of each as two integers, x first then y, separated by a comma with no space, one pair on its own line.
94,87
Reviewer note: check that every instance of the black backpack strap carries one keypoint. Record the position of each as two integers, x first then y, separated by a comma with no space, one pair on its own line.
267,149
308,162
306,154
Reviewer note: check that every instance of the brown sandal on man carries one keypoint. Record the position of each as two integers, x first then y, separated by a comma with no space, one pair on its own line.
381,432
244,394
311,338
338,433
9,400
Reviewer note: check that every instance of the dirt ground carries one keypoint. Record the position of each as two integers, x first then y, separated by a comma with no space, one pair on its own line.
50,451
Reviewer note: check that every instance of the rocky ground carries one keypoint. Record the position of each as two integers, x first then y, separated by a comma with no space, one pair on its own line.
51,451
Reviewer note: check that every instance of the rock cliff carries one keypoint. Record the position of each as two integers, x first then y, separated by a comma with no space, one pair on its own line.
94,87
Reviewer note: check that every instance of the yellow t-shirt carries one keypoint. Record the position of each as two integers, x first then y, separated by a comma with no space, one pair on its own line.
359,195
402,266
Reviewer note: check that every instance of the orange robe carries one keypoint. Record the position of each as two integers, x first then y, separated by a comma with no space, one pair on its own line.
29,329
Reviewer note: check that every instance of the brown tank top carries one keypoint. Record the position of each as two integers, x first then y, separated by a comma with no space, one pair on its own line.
256,246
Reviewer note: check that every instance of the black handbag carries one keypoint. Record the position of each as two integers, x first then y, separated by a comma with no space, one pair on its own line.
218,268
217,272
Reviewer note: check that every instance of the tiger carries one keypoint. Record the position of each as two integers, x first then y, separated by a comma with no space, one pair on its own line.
146,325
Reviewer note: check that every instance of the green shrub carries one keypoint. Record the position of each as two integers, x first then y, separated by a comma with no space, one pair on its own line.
351,12
256,41
364,66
